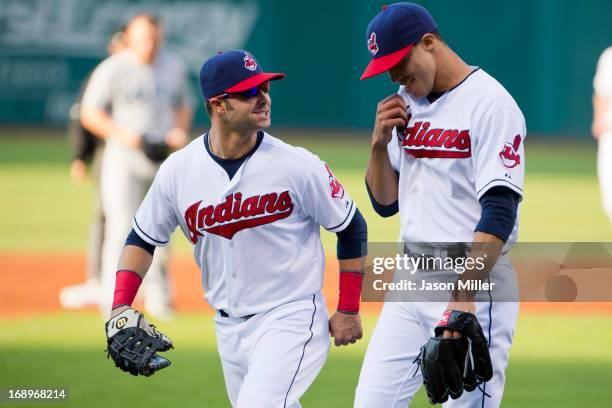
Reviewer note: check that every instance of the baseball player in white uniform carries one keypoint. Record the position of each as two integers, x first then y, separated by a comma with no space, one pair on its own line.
447,153
140,102
252,207
602,127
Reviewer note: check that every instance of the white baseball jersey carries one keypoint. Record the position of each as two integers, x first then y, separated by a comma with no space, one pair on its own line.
256,236
602,83
452,152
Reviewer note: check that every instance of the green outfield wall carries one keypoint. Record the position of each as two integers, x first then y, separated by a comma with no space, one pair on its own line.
543,51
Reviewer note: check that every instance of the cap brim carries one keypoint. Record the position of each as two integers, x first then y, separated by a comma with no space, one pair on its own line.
382,64
254,81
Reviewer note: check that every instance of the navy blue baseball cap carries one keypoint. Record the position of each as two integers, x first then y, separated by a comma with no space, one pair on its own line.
392,34
232,71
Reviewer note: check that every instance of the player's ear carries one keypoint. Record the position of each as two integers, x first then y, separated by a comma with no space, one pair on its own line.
428,41
208,109
217,105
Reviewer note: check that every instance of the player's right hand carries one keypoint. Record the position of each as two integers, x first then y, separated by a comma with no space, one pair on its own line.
391,112
78,171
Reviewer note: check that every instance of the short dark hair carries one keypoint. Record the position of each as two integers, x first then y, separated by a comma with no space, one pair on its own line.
437,34
117,34
148,17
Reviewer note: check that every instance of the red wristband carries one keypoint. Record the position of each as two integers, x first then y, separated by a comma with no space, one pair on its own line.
126,287
350,292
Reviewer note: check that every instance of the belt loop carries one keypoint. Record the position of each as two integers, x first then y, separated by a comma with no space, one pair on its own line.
223,313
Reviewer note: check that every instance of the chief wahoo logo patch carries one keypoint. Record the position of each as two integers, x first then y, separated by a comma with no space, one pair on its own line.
509,155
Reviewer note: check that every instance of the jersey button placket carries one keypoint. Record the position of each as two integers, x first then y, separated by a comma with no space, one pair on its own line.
231,276
234,274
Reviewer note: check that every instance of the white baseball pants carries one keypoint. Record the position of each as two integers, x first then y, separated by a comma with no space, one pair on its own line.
270,359
390,376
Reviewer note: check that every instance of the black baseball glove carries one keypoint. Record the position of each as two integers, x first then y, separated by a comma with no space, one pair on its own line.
133,343
451,365
156,151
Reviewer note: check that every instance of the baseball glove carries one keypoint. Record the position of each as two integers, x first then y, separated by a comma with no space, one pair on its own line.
451,365
133,343
156,151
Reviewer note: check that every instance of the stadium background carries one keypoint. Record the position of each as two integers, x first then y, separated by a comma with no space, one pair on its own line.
544,52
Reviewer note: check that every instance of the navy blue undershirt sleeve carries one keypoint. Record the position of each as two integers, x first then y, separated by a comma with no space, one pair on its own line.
134,239
499,207
382,210
352,241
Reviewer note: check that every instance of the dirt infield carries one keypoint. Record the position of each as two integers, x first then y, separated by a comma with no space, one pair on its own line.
31,283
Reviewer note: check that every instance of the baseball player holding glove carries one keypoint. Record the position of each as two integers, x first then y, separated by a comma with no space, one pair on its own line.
252,207
447,153
139,102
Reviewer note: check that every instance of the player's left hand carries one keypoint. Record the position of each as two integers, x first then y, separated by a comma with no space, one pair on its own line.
176,138
345,328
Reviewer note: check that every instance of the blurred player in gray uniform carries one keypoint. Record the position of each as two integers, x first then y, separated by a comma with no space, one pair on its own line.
87,149
150,102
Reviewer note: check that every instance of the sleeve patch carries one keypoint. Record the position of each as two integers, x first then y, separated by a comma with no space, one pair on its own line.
510,156
337,191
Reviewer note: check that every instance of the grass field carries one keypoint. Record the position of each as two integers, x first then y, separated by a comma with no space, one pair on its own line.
46,212
556,360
